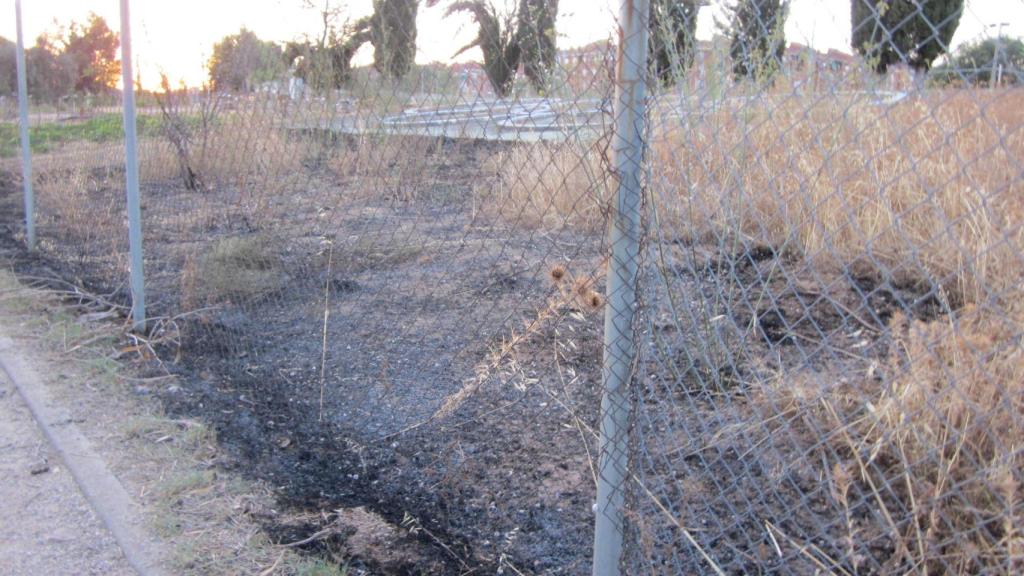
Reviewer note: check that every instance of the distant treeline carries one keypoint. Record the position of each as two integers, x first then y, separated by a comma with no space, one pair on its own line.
521,35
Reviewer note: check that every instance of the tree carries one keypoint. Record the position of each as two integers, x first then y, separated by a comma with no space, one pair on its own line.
393,35
327,64
51,73
757,38
538,40
974,63
8,67
242,61
496,38
507,37
916,32
673,38
93,48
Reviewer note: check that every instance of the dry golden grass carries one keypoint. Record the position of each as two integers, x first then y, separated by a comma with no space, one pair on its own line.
928,188
391,167
75,200
942,436
246,159
247,155
548,186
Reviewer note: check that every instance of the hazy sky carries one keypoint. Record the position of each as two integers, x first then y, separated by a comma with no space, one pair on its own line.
175,36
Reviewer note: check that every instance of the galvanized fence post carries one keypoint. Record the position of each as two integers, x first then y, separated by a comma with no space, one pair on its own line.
26,150
619,347
132,174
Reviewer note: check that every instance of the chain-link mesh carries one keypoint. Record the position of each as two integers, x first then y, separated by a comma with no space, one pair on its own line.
393,286
832,356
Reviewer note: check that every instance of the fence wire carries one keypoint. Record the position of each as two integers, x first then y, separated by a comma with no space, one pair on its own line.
389,291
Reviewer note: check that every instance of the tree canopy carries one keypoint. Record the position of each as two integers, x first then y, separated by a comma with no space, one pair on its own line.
93,48
757,38
673,38
974,63
8,67
393,35
915,32
242,61
327,63
51,73
508,37
78,58
497,39
538,40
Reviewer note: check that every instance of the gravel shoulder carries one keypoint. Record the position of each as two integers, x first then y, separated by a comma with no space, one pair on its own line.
202,518
46,524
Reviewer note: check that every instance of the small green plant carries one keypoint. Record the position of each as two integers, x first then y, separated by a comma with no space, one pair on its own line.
175,486
319,568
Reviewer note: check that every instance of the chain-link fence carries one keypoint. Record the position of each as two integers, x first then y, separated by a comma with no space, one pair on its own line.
393,286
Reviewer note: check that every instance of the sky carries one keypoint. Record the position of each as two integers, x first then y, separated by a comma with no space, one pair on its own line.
176,37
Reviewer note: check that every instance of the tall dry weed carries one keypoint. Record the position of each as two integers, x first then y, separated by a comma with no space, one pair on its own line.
247,156
549,185
929,187
394,167
938,445
80,199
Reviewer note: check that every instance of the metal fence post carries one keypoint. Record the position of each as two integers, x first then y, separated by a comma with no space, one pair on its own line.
132,173
26,150
619,348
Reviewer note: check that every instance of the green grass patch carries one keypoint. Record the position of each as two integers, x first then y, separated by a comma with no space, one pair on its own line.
46,137
317,567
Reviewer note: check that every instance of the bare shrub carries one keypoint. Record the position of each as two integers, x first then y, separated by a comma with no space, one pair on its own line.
251,143
245,157
182,133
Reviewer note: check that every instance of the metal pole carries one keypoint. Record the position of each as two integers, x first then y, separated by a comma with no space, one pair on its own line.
995,62
996,75
132,174
26,150
619,348
999,50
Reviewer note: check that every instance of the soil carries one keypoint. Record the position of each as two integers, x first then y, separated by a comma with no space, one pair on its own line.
443,413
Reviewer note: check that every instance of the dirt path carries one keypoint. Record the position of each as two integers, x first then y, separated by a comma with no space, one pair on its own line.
46,525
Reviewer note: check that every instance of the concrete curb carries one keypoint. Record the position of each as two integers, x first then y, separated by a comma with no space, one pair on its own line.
104,492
